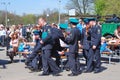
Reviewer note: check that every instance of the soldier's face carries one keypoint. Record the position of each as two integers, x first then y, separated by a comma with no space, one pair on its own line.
92,23
87,26
40,22
71,25
39,27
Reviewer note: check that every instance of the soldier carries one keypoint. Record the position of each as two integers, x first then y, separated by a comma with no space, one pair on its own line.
85,41
57,34
94,54
72,40
96,43
35,51
47,46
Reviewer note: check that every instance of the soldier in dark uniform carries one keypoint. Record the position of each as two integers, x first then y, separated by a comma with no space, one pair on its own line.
95,43
72,55
85,41
63,28
57,34
47,46
93,57
37,48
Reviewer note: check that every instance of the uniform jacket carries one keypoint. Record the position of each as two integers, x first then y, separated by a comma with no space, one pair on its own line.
96,36
48,43
57,34
73,39
85,40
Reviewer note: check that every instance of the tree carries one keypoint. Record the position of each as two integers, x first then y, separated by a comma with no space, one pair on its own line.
99,6
50,15
112,7
81,6
13,18
29,19
2,18
105,7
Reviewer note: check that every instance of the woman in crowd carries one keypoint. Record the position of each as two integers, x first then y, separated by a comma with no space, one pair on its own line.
13,46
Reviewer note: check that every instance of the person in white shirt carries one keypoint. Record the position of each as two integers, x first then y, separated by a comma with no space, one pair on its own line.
2,35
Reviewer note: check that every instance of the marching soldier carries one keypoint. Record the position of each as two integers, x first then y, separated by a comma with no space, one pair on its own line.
47,46
85,41
72,55
96,43
57,34
37,48
94,53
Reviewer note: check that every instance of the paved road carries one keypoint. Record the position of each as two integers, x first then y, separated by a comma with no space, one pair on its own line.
16,71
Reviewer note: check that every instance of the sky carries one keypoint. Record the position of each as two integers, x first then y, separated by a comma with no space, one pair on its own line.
31,6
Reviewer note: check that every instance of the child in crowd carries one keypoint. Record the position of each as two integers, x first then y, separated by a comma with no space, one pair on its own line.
104,45
23,47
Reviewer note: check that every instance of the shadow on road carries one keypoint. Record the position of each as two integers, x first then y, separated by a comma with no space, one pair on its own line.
3,63
2,49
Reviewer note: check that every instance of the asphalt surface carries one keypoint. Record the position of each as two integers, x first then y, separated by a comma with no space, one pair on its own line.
17,71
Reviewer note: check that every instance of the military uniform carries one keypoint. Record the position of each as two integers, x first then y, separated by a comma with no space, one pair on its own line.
85,42
36,63
57,34
96,40
47,47
93,55
37,48
72,55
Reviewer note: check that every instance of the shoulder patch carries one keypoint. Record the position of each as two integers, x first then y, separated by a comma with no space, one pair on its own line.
98,31
49,31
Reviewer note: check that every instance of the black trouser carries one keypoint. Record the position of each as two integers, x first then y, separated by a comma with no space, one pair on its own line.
97,59
73,62
57,56
37,62
85,53
47,62
34,53
90,58
11,55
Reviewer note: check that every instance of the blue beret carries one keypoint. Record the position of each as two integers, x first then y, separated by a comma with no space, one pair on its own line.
74,20
36,32
92,19
87,20
63,25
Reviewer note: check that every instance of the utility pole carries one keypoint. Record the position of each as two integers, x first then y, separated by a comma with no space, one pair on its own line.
59,11
6,16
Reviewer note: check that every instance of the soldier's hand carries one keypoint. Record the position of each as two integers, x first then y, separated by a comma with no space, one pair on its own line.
61,53
80,46
94,47
41,42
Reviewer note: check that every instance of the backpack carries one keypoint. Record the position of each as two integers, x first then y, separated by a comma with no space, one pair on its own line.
44,35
